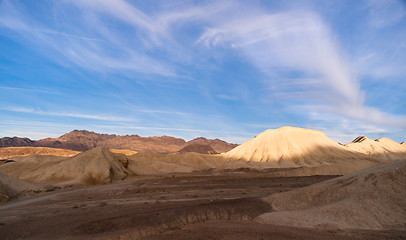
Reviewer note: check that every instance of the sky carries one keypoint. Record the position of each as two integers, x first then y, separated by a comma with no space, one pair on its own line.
217,69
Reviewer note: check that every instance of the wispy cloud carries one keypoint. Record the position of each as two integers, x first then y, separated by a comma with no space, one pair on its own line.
383,13
211,65
35,129
95,50
67,114
294,40
300,41
30,134
125,12
30,90
344,130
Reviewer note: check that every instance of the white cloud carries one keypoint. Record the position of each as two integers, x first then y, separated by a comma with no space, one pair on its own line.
30,134
344,130
30,90
96,49
120,9
384,13
300,41
67,114
295,40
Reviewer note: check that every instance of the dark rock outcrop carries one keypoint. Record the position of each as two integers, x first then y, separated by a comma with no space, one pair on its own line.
15,142
198,148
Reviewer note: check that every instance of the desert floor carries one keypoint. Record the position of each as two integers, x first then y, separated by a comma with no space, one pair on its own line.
201,205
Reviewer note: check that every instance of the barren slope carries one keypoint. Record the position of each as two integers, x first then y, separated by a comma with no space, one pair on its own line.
148,162
11,187
370,199
95,166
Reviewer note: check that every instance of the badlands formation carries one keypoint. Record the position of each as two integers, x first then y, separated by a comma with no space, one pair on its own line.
369,194
295,151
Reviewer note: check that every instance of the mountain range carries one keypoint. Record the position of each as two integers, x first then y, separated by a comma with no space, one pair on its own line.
81,140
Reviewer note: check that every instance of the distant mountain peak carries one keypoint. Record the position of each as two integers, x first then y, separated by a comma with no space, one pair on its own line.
198,148
15,142
81,140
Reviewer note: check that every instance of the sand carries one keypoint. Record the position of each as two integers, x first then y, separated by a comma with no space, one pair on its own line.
370,199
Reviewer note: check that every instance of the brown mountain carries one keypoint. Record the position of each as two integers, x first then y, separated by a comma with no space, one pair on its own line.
163,144
81,140
198,148
15,142
218,145
78,140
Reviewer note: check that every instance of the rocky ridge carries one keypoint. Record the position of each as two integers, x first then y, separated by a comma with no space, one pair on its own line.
81,140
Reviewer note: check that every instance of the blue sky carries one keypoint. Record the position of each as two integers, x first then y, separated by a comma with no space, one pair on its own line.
218,69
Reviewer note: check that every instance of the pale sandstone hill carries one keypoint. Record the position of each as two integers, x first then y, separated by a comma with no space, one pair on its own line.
9,152
289,147
373,198
11,187
95,166
309,152
382,147
389,144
